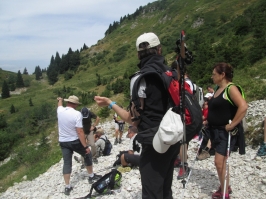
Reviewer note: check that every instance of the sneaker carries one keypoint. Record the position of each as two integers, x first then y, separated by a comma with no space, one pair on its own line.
68,190
262,150
94,178
229,190
116,141
76,158
219,195
203,155
95,160
183,173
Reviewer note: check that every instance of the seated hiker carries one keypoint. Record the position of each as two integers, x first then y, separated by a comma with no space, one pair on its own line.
132,156
262,149
99,141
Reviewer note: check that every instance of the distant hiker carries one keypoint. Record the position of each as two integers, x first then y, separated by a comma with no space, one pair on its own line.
119,128
72,138
102,143
219,113
89,130
262,149
132,157
156,168
210,90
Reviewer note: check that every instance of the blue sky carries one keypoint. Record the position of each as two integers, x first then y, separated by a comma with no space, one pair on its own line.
32,31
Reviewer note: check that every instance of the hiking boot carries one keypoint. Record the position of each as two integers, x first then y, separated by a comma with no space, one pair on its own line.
262,150
203,155
68,190
120,140
76,158
116,141
183,173
94,178
95,160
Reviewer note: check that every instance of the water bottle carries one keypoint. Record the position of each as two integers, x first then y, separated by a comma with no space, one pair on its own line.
100,186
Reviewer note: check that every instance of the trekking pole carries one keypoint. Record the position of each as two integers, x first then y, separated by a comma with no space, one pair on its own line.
227,160
182,98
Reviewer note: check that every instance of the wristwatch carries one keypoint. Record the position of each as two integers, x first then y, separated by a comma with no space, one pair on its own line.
86,147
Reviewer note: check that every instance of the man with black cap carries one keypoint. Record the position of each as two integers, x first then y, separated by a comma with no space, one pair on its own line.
72,138
88,129
157,158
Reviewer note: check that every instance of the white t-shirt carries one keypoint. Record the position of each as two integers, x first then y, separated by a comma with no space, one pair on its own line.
142,87
68,120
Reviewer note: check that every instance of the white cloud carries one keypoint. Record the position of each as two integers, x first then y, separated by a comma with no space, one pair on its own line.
33,30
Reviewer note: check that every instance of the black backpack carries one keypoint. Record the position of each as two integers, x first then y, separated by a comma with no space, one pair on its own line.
108,147
109,181
193,113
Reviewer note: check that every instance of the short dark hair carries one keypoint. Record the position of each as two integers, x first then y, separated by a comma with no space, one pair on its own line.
148,51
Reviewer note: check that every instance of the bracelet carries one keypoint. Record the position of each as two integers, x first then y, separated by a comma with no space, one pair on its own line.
86,147
111,105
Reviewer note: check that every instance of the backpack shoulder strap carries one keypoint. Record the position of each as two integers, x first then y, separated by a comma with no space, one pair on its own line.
227,94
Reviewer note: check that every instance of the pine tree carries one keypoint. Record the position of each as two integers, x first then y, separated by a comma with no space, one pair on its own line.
30,102
25,72
19,82
12,109
5,91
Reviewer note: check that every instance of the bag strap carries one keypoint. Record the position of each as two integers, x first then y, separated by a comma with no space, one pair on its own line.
227,95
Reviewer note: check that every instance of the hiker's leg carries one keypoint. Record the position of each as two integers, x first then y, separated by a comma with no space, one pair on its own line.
92,143
116,130
172,153
181,154
220,164
130,159
67,153
123,161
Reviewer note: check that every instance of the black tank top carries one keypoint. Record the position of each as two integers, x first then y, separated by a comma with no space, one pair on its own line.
220,111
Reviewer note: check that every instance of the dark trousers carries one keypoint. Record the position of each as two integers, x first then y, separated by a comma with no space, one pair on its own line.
156,171
67,149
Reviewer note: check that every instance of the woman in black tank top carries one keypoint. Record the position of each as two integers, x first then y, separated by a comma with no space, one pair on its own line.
220,111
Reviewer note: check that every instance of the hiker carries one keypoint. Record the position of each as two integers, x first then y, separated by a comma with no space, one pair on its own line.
262,149
210,90
119,128
132,157
99,141
220,111
205,147
88,129
72,138
156,169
